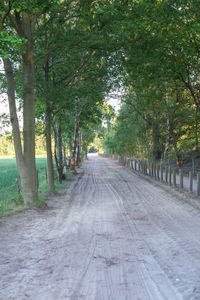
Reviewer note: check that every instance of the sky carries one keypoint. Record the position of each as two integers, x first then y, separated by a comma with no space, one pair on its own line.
115,103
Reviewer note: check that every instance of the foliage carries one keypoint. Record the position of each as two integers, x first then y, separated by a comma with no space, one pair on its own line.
160,116
85,49
7,148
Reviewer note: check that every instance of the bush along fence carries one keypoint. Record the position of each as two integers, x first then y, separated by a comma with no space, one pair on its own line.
162,172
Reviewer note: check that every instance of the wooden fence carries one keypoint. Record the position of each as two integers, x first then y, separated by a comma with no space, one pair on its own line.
162,173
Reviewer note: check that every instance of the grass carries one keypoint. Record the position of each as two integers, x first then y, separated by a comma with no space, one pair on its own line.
9,199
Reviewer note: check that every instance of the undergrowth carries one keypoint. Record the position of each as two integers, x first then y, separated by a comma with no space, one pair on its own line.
10,200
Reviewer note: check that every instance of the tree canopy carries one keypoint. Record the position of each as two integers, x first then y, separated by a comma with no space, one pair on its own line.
62,59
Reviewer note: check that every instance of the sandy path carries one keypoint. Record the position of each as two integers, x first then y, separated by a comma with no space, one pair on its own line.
113,236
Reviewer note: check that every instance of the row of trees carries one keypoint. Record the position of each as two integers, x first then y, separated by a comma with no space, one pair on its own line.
7,148
56,60
160,112
62,57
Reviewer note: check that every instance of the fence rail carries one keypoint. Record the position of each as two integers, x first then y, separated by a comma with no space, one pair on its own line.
163,173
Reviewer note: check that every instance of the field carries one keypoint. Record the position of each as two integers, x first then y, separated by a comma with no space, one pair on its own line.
9,198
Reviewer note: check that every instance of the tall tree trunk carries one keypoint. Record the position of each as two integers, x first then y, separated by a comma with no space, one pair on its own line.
78,154
49,151
64,158
58,151
157,152
48,136
196,128
167,124
176,150
22,166
29,104
75,138
80,148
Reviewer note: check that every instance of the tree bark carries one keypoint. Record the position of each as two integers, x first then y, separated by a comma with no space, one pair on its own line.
29,103
25,158
78,151
167,124
157,152
22,166
75,138
49,151
196,129
48,136
58,151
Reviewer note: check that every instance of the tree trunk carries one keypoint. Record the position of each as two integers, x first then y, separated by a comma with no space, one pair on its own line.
78,155
29,104
157,152
167,125
80,150
177,152
64,157
58,151
196,129
48,136
22,166
49,151
74,147
75,138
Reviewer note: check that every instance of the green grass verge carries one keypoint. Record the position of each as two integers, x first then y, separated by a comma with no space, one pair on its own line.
9,199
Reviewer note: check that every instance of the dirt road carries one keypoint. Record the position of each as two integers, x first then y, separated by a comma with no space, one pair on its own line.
113,236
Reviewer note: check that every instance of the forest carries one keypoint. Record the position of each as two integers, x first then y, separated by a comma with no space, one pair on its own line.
63,59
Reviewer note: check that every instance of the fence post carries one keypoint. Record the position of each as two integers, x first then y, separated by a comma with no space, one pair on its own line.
143,166
158,172
174,177
181,179
198,184
191,181
161,173
193,165
146,167
18,187
154,170
166,174
170,176
151,169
